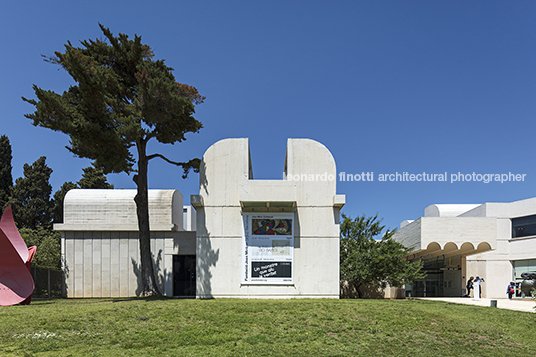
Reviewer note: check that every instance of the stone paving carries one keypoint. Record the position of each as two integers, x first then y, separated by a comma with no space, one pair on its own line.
514,304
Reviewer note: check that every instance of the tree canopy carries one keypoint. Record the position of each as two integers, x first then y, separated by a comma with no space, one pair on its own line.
94,178
47,241
121,99
365,260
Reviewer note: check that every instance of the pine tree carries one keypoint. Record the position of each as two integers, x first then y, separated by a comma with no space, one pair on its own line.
94,177
6,179
30,199
121,100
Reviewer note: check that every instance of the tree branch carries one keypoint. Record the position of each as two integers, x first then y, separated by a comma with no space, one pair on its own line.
186,166
150,157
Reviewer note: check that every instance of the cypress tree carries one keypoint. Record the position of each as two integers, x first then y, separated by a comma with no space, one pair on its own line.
6,179
59,197
30,200
94,177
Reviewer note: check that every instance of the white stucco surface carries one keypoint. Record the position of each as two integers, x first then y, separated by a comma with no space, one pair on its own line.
448,210
480,234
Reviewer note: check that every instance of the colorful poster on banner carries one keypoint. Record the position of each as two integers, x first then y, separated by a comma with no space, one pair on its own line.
263,226
268,248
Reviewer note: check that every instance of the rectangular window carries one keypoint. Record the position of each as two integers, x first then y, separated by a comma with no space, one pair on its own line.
523,266
524,226
520,267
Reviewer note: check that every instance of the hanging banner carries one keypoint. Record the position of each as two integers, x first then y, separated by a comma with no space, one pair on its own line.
268,248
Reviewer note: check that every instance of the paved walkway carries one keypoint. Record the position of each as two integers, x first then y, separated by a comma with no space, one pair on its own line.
514,304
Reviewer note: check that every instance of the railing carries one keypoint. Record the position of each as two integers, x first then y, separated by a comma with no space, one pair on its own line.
48,283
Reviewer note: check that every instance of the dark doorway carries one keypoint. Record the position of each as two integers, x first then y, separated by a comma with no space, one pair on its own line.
184,275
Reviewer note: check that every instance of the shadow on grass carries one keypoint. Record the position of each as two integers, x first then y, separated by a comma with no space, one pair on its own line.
38,302
145,298
83,301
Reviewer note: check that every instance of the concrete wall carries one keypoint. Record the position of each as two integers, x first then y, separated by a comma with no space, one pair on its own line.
115,210
107,264
503,209
371,292
410,235
449,233
226,184
189,219
100,245
444,230
447,210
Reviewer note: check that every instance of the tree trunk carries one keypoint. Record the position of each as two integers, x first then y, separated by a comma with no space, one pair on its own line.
149,286
358,290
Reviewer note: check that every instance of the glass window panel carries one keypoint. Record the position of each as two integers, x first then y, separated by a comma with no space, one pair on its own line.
524,226
521,266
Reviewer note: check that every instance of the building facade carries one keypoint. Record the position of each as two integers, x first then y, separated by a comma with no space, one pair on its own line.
239,255
245,238
100,246
495,241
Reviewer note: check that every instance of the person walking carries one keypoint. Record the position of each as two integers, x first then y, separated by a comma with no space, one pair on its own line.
511,290
469,286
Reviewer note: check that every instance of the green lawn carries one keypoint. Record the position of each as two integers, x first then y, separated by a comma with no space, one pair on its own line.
236,327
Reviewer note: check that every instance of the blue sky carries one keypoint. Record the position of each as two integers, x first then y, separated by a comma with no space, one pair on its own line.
387,86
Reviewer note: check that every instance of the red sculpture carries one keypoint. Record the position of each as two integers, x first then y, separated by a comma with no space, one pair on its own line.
16,283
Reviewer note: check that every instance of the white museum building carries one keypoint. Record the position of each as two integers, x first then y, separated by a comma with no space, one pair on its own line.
495,241
243,238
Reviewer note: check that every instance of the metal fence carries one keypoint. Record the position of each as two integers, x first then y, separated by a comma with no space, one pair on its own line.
48,283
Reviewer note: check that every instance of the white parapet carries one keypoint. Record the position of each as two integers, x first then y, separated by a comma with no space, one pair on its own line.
115,210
